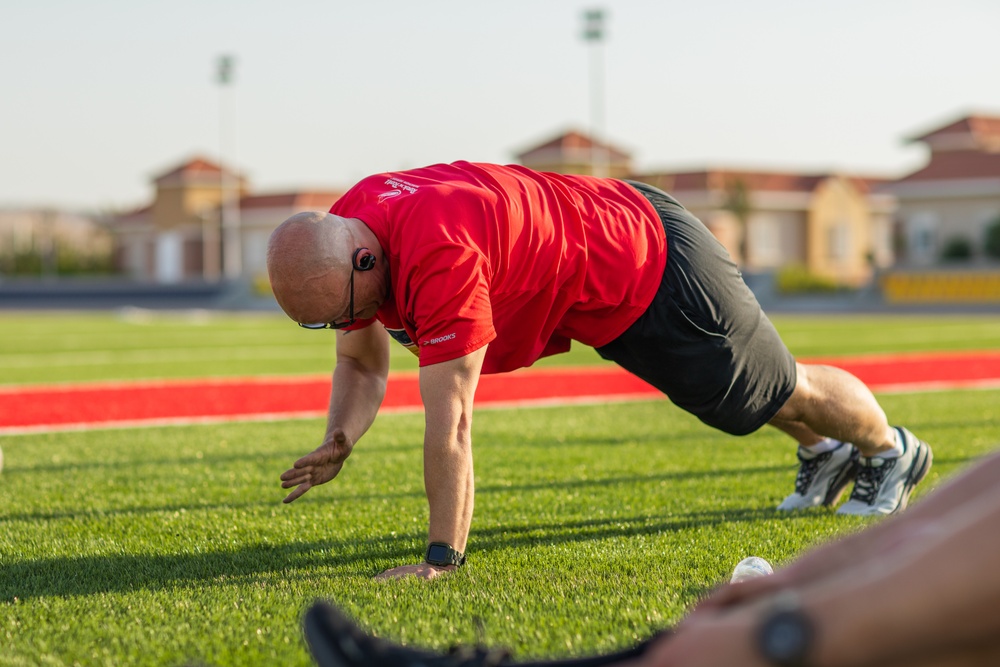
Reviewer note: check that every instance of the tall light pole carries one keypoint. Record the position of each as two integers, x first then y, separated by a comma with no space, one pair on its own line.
593,33
229,207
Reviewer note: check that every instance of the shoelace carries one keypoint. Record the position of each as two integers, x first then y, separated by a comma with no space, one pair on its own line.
869,481
807,470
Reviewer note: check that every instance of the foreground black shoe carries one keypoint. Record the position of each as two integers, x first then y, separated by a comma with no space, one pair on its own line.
335,641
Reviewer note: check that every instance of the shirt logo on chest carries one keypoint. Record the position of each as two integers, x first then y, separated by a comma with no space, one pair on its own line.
399,187
389,195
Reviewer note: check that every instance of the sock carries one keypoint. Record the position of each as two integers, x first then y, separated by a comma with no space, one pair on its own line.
897,449
823,446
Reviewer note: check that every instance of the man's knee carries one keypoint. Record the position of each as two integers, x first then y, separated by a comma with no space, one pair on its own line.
794,409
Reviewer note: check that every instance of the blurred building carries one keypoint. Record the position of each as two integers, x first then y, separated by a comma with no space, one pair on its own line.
834,225
52,238
956,195
179,235
574,152
843,227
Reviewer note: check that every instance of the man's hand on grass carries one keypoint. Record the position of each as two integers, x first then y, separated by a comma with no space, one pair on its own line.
318,467
421,571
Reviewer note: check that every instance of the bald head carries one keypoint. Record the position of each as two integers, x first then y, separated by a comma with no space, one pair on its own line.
309,265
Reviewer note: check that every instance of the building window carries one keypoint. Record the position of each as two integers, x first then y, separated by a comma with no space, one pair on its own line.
838,242
765,243
921,237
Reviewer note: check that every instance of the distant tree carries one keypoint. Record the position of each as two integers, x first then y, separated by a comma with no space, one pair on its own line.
956,249
65,260
738,203
992,245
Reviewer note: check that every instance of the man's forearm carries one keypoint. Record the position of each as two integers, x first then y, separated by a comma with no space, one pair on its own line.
935,596
359,380
354,399
449,482
448,390
968,485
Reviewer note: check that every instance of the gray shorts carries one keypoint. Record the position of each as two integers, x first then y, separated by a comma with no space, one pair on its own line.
704,341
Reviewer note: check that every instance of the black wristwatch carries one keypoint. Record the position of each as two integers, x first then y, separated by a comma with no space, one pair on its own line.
439,553
785,638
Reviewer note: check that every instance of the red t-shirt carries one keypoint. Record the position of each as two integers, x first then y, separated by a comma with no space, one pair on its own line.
522,260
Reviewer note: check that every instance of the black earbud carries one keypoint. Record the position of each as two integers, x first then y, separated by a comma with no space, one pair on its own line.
363,262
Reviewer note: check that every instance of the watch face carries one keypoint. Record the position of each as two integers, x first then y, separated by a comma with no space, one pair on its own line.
785,638
438,554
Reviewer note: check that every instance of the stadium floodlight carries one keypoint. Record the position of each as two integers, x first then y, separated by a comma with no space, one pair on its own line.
593,33
229,182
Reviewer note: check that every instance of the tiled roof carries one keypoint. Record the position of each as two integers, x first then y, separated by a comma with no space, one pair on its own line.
721,179
571,142
194,165
984,129
194,169
957,165
138,217
137,212
306,200
966,149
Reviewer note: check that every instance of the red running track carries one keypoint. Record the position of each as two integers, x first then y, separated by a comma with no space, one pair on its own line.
51,407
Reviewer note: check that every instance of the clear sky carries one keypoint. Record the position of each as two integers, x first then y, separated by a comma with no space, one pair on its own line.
98,96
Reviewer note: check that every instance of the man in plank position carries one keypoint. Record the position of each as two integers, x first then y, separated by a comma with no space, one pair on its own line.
481,268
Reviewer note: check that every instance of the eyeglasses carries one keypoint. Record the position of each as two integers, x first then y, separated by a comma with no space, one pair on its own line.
351,318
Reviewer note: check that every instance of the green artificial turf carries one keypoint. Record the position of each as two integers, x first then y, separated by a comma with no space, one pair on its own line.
594,526
76,347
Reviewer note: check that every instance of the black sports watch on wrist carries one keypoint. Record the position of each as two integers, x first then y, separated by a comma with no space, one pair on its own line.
440,553
786,635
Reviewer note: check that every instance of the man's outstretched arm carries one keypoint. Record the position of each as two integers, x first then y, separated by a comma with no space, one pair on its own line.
359,381
448,390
